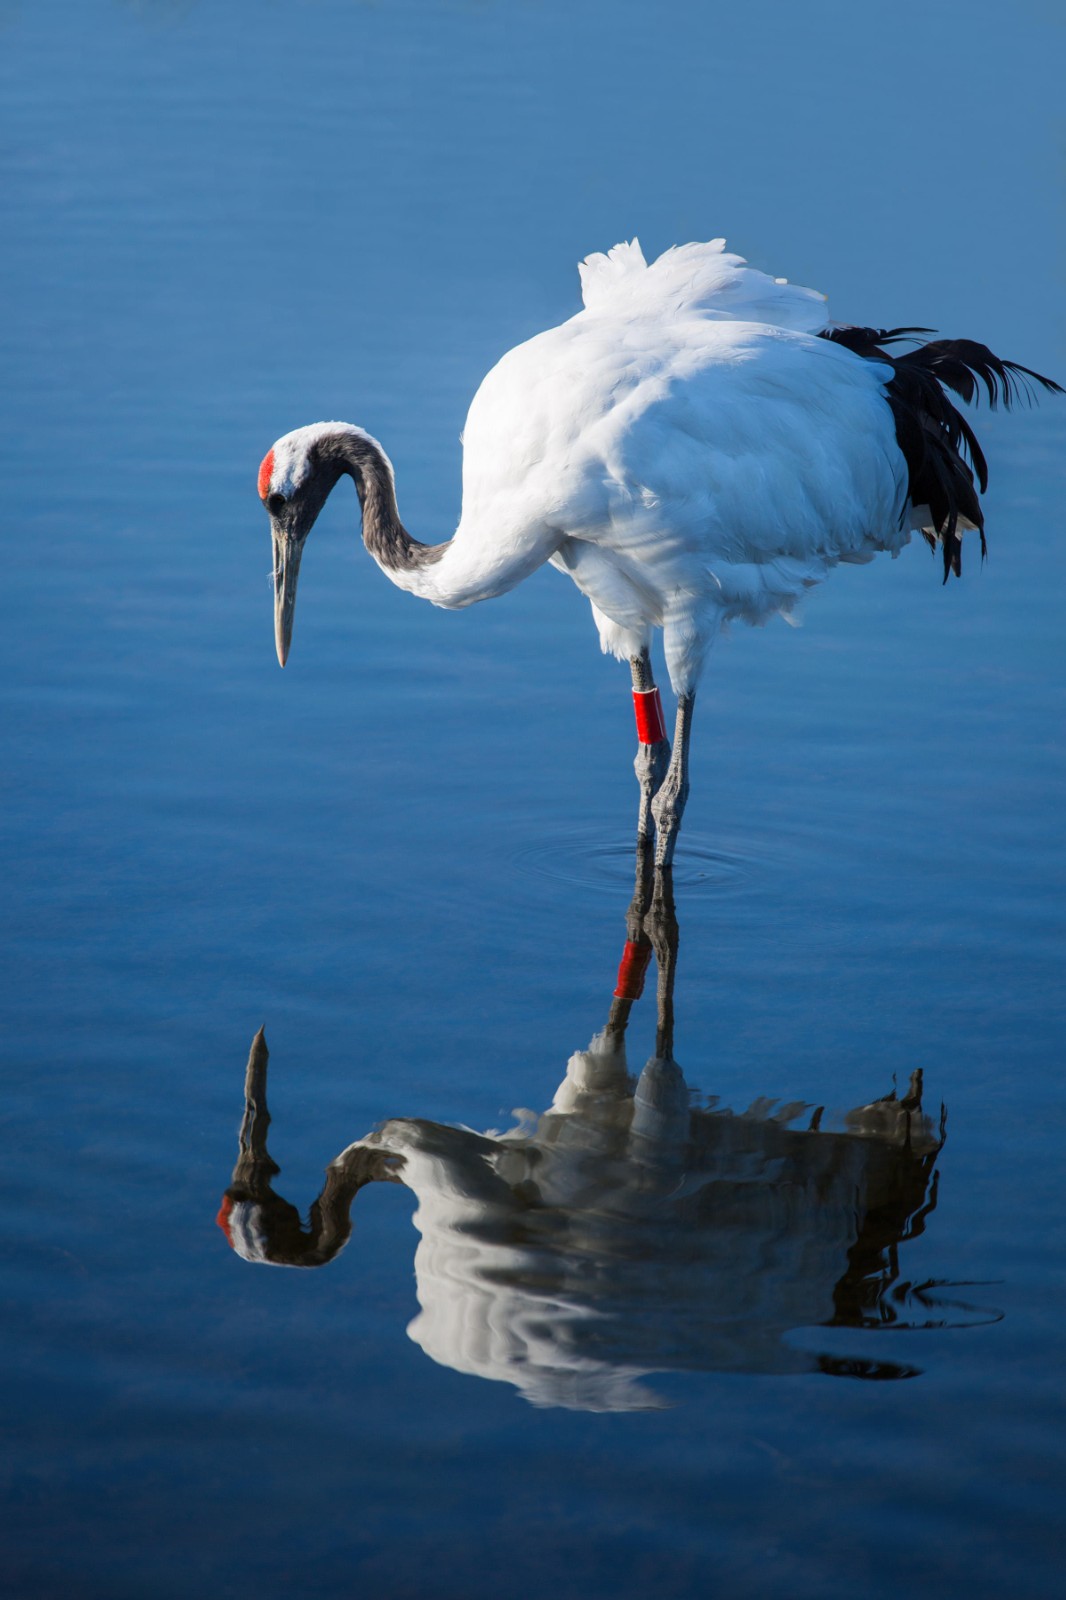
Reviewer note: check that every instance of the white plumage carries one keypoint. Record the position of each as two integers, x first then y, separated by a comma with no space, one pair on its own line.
695,445
685,448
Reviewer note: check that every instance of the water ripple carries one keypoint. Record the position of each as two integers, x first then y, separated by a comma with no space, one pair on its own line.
582,857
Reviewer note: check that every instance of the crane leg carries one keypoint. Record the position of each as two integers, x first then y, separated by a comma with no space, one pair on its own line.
653,749
668,806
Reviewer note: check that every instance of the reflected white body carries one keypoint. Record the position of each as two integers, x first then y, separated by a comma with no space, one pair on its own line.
623,1233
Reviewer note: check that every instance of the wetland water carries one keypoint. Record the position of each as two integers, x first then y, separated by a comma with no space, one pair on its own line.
591,1334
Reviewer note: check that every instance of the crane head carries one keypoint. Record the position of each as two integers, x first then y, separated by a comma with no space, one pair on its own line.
294,483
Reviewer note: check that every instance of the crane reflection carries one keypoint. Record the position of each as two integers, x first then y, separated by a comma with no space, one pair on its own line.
629,1230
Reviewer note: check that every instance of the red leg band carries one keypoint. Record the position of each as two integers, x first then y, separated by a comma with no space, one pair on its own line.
631,970
649,709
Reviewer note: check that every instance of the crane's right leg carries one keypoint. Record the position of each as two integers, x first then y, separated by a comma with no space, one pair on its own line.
653,750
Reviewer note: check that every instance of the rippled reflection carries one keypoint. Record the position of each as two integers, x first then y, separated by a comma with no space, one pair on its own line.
628,1229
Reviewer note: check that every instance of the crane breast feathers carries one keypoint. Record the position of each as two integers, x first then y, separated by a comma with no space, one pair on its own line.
696,280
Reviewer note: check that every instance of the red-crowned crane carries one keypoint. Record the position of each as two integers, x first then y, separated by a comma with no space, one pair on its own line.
698,444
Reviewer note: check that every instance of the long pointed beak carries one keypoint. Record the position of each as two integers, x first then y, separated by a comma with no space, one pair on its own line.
287,553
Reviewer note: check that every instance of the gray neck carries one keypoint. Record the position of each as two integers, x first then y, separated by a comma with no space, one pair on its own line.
383,533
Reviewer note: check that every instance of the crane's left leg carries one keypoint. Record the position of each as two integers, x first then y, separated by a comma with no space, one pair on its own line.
668,807
653,749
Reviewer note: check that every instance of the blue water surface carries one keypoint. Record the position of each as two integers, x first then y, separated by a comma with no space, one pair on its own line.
408,856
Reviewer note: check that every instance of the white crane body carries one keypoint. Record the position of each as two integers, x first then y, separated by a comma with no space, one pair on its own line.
699,444
684,468
735,465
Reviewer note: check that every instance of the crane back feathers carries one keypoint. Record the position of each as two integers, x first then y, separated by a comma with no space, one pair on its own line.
938,444
705,280
933,435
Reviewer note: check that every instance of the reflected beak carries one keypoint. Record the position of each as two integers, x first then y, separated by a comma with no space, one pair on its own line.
287,553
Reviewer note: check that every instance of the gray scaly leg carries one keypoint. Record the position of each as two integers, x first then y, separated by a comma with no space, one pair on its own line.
668,806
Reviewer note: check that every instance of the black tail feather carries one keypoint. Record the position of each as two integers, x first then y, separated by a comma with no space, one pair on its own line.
962,363
938,444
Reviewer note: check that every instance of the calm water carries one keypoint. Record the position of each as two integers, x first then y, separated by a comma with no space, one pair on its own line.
640,1326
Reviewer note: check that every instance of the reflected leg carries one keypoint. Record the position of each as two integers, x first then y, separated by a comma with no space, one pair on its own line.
661,925
651,928
636,955
661,1110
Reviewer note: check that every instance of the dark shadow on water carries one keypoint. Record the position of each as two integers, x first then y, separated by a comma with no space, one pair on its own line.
628,1229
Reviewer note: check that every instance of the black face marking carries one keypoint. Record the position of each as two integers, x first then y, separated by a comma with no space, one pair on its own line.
934,437
275,504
